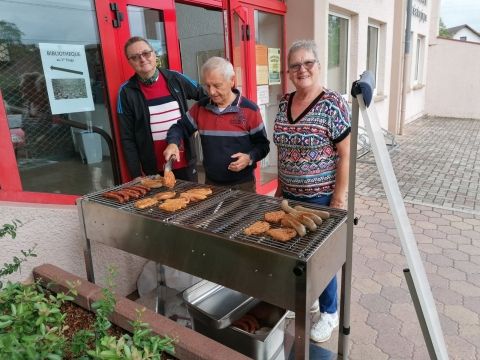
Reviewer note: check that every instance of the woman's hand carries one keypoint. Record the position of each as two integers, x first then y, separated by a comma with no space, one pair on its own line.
338,203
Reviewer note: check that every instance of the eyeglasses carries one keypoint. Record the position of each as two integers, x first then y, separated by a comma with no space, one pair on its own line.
308,65
136,57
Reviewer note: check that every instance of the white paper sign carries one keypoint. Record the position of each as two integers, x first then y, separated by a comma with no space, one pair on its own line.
263,96
67,78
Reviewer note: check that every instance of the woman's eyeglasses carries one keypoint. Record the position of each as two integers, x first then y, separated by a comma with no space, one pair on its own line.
136,57
308,65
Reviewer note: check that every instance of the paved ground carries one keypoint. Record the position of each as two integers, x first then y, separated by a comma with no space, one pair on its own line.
437,165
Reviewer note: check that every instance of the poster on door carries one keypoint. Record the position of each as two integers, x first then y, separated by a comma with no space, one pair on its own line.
66,77
274,66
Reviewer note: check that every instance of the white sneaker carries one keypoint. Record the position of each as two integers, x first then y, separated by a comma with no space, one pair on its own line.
322,330
315,308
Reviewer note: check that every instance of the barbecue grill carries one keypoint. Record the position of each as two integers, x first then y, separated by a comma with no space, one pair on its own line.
206,239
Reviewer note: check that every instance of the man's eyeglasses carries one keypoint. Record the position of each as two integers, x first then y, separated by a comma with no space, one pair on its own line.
136,57
308,65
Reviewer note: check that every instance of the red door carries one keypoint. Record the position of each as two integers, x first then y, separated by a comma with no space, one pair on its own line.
151,19
257,34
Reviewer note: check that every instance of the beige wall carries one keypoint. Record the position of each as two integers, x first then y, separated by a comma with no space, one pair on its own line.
56,231
453,82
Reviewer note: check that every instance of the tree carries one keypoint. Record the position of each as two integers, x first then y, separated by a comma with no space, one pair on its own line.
10,33
442,30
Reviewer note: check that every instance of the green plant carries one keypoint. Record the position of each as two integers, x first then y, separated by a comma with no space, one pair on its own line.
10,268
32,324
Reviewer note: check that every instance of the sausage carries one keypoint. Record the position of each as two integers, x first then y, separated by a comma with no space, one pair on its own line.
305,220
126,196
316,219
114,196
132,193
242,325
286,207
146,188
141,189
253,320
289,221
323,214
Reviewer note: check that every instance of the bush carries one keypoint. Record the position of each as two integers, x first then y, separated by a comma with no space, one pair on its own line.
32,324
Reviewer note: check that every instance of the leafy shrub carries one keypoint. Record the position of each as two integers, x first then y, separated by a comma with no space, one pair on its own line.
32,324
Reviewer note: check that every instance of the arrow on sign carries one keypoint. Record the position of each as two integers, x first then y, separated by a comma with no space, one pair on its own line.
66,70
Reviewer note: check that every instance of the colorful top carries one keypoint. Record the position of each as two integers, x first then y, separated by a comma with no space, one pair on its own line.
307,155
238,128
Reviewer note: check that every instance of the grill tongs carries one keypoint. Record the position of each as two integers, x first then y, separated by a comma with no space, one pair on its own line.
168,176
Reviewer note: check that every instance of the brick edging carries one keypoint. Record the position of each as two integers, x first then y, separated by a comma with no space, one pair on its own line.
189,345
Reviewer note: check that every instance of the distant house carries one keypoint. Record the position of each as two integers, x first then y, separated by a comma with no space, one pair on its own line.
464,33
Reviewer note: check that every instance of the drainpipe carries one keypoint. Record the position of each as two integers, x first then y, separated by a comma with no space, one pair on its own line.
406,65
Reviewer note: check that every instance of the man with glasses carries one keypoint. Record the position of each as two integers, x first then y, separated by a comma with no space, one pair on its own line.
230,127
148,104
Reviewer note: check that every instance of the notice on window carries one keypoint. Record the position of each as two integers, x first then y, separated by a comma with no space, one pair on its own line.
274,66
261,58
262,94
67,78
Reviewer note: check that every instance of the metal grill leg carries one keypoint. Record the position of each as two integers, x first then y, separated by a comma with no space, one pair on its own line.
161,290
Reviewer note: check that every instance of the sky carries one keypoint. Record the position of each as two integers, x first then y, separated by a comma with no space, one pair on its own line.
459,12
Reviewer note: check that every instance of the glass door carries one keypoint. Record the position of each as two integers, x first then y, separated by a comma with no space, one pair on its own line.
152,20
257,56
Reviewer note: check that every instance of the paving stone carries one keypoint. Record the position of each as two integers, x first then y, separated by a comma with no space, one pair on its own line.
449,229
445,244
471,234
431,214
386,322
375,228
465,288
375,303
425,224
363,333
358,313
462,225
371,253
420,353
449,326
387,279
473,222
365,242
435,234
460,349
470,249
379,264
474,279
383,237
367,286
475,259
430,248
361,232
470,333
369,220
440,260
459,239
397,347
395,295
468,267
362,271
396,259
462,315
367,352
436,280
389,248
439,221
423,239
451,273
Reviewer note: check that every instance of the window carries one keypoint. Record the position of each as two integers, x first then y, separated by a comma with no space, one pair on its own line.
337,73
47,106
419,55
463,38
372,51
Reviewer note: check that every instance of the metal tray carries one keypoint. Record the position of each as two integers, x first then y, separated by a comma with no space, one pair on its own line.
216,305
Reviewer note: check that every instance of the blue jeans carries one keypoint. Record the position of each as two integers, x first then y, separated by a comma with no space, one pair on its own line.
328,298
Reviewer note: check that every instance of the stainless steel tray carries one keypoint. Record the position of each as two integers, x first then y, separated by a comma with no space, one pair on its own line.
216,305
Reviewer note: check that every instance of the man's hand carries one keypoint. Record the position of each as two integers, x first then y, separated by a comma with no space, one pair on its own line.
338,203
171,150
241,162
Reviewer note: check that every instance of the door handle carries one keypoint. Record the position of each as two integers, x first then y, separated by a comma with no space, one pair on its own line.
118,15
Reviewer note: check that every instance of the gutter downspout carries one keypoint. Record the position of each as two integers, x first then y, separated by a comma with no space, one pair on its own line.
406,66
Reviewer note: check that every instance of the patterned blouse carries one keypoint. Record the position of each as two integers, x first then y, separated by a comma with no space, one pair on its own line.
307,155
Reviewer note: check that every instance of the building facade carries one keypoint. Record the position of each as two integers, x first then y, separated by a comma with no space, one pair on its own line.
62,62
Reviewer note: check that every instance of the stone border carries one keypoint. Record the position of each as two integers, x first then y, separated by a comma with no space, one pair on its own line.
190,345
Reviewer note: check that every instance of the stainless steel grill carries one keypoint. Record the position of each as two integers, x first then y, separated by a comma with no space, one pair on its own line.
206,239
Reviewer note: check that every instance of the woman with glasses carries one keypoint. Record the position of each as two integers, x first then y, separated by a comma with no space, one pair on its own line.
312,133
148,104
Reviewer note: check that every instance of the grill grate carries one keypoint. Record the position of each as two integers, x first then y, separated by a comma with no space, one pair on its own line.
238,210
228,213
